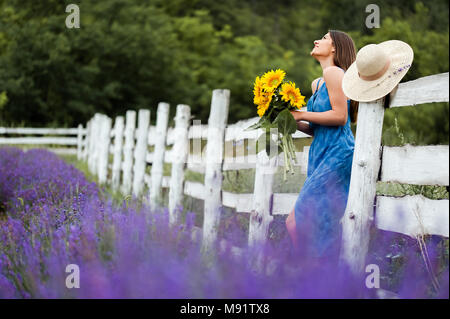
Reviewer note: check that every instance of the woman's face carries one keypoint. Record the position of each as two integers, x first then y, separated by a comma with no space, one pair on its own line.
323,47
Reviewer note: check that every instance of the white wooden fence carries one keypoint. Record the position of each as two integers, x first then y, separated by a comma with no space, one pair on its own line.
72,138
128,145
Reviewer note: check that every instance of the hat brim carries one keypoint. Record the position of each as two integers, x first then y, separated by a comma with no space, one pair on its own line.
357,89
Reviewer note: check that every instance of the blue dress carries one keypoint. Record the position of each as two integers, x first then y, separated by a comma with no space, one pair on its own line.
323,197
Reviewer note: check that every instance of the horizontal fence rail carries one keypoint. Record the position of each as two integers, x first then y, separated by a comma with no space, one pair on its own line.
74,144
413,215
39,140
420,165
41,131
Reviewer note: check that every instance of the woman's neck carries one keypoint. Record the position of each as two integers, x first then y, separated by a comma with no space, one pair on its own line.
325,62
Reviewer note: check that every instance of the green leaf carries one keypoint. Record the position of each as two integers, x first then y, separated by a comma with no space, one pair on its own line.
286,123
257,125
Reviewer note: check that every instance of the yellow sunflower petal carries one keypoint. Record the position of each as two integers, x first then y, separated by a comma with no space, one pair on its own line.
289,93
272,79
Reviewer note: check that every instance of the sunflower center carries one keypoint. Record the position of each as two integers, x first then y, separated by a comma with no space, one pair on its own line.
273,82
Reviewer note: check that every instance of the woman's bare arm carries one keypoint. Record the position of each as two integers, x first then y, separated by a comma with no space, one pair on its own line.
338,114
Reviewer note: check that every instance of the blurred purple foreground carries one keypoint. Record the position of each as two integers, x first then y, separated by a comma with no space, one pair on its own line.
51,216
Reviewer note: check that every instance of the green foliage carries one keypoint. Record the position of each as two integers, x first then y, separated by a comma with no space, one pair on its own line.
131,54
3,101
425,124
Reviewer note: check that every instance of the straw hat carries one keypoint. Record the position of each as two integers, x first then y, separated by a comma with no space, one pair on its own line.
377,70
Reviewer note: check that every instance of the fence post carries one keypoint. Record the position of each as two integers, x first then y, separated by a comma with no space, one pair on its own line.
162,119
360,204
103,155
130,126
86,142
179,154
90,142
93,144
79,141
140,151
96,143
117,161
217,122
262,202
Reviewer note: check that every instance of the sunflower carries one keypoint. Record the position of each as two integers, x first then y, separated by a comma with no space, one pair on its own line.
266,98
257,90
289,93
272,79
262,108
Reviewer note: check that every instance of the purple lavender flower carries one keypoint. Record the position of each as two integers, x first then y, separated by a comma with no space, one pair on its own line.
132,252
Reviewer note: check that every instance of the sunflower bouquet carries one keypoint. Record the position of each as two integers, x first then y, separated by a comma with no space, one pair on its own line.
275,99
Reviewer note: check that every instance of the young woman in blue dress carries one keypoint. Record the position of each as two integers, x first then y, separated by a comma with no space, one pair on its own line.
314,223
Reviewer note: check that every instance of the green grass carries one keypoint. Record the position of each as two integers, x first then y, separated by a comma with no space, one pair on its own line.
106,191
399,190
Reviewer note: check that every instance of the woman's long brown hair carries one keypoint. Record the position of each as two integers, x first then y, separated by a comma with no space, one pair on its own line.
344,56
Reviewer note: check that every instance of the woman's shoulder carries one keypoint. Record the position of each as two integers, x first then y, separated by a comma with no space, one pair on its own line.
332,70
333,75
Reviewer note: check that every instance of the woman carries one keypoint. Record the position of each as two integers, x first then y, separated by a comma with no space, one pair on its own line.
314,224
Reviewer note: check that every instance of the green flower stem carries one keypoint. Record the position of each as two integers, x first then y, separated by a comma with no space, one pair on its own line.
292,148
288,147
286,162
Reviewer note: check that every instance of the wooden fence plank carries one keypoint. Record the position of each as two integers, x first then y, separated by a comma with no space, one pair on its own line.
217,122
262,200
140,151
198,131
159,137
283,203
93,146
194,189
104,142
240,202
130,125
63,151
428,89
39,140
413,215
180,152
365,167
79,141
420,165
40,131
118,145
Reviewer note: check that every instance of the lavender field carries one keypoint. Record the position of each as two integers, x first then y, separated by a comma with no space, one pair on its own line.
52,216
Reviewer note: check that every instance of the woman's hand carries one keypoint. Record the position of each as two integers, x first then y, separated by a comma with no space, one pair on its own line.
297,115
